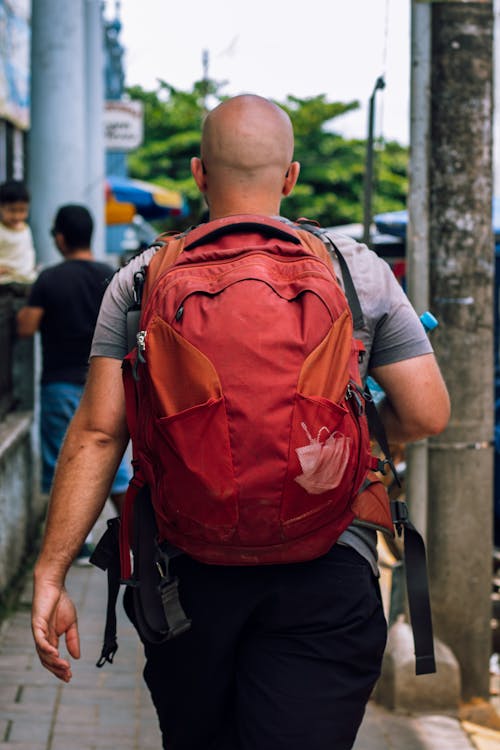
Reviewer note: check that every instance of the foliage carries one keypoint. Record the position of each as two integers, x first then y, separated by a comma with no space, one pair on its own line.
330,187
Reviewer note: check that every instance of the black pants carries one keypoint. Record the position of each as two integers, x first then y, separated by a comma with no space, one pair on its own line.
278,657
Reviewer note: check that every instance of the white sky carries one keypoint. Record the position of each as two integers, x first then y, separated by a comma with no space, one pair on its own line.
278,47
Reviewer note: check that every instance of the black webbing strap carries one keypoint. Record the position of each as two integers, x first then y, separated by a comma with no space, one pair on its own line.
417,582
106,556
418,590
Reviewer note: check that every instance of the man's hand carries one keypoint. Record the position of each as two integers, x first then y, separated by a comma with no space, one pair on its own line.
54,614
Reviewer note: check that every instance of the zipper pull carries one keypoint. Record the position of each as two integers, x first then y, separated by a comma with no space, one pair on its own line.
141,348
141,345
353,392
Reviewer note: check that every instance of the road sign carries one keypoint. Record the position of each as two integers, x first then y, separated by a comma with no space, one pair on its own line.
124,125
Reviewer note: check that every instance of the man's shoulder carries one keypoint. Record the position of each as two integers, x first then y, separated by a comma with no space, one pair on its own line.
102,266
49,273
126,274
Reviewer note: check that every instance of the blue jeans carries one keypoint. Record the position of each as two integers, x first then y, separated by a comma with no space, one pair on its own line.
59,402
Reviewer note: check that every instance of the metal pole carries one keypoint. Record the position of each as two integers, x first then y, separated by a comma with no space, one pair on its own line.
368,179
417,238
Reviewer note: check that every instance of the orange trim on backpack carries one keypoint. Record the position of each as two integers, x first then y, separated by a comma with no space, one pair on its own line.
372,508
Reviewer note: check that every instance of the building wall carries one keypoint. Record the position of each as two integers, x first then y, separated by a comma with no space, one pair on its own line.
21,507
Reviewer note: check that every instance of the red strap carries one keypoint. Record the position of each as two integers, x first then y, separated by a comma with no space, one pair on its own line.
135,485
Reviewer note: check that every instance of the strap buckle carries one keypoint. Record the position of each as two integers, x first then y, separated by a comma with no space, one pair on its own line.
176,620
400,514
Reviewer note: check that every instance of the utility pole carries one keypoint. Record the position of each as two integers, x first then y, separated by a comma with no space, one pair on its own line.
368,177
461,296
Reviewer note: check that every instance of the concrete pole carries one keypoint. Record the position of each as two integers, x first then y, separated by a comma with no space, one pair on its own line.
496,81
417,238
461,287
57,171
94,122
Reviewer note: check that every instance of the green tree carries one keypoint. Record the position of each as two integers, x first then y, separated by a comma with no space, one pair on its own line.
330,187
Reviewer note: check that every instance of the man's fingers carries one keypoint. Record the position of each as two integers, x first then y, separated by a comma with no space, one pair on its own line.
60,669
50,658
46,637
73,641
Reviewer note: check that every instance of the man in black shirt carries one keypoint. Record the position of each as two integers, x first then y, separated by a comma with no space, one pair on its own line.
63,305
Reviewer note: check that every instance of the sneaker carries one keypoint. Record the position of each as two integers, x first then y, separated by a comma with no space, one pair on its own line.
83,557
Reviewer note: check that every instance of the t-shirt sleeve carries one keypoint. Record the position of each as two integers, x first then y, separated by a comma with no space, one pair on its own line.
398,332
392,331
110,335
37,296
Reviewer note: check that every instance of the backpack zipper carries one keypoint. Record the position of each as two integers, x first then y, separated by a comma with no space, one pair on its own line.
354,391
141,348
204,263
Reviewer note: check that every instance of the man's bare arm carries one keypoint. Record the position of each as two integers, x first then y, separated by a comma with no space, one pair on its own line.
28,320
417,404
89,457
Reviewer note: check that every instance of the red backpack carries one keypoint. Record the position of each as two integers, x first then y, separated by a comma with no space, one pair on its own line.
247,417
244,400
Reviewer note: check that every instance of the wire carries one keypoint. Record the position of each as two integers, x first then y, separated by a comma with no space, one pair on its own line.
379,140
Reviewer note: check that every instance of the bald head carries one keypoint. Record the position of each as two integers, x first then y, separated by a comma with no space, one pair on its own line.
246,153
247,133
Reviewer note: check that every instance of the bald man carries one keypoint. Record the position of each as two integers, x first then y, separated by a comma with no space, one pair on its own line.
278,656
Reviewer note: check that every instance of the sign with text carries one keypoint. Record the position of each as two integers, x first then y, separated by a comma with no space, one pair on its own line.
123,125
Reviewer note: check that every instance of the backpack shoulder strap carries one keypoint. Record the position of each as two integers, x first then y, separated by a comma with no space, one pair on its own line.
332,251
168,250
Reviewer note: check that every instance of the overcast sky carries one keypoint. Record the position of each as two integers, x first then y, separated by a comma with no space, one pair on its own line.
277,47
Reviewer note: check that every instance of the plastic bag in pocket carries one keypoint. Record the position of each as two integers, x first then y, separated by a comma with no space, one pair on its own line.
323,463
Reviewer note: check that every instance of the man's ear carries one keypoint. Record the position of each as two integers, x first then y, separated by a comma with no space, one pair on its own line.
199,174
291,178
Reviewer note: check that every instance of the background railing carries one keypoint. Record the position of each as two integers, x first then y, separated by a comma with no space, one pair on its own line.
12,297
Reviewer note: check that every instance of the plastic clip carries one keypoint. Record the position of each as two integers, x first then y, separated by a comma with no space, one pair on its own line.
168,588
400,515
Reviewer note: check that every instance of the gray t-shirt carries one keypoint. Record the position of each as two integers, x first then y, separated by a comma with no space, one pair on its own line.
391,332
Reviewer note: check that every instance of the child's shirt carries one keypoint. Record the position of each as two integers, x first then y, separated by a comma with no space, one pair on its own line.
17,255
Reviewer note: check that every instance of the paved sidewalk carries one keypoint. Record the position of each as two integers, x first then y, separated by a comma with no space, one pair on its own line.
110,707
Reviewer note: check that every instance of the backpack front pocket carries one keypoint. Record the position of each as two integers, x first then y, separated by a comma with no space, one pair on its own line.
324,451
196,481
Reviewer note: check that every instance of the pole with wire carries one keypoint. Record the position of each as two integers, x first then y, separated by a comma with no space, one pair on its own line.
368,178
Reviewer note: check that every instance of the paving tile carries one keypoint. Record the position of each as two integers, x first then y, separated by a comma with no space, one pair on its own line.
39,695
25,730
24,746
8,693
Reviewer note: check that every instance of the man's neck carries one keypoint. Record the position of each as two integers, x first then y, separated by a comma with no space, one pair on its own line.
232,206
80,254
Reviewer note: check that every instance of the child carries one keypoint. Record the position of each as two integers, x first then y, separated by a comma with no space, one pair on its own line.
17,254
